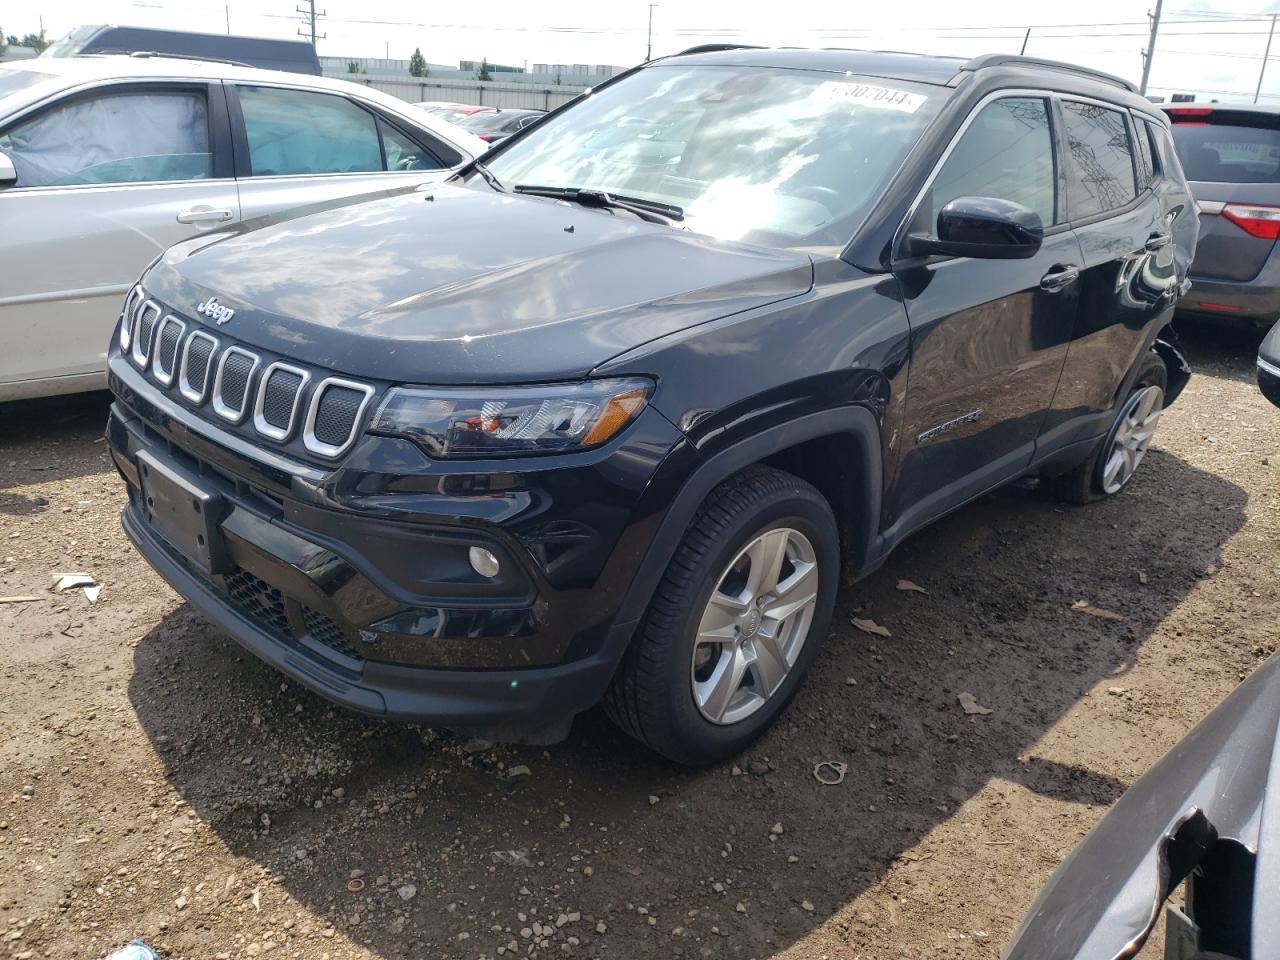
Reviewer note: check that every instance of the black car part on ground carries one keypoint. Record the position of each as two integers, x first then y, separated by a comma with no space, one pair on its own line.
1269,366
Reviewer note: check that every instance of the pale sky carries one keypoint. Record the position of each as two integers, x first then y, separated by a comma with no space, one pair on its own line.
1210,47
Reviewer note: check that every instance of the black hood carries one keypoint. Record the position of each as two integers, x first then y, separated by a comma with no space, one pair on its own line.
463,285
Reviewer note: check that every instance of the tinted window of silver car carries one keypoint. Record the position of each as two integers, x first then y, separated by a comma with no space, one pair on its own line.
298,132
1099,159
113,138
1006,152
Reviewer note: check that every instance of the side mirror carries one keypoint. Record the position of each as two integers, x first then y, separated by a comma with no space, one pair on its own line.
8,175
983,227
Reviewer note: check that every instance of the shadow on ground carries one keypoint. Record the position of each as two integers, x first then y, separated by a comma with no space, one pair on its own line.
63,429
581,834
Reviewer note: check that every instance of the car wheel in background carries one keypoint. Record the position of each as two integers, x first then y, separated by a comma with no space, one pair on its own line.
735,622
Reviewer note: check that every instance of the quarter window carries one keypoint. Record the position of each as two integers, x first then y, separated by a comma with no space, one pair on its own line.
114,138
1146,170
1007,153
1099,159
402,153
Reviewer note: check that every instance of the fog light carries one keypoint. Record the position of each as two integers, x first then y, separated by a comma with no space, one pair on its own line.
483,562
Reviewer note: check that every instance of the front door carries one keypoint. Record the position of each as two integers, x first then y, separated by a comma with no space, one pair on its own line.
106,181
988,337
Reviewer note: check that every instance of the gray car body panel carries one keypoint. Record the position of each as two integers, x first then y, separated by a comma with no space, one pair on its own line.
1105,897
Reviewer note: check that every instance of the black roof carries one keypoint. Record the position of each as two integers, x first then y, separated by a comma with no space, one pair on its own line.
922,68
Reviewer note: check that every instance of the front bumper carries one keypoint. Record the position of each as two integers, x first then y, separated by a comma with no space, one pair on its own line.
355,582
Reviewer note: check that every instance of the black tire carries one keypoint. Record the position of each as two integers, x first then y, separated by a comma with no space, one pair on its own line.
1084,483
651,697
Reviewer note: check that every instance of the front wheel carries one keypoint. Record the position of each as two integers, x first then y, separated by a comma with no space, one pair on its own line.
735,622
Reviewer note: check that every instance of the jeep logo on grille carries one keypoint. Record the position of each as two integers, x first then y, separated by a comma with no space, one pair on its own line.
215,311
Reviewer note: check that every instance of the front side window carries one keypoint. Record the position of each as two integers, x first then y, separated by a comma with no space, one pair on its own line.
787,157
299,132
113,138
1099,159
1007,153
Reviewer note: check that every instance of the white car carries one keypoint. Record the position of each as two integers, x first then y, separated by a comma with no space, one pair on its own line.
107,160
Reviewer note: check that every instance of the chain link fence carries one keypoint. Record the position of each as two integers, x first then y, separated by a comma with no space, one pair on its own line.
512,95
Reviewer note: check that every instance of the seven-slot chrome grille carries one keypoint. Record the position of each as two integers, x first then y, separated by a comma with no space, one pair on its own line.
238,385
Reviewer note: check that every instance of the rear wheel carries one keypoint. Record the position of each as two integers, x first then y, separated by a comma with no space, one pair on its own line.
1113,464
735,622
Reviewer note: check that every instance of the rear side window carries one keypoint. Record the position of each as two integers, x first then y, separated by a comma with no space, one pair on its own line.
1099,159
1229,154
298,132
113,138
1007,153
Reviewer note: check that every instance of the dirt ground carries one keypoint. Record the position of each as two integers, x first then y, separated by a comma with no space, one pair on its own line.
156,781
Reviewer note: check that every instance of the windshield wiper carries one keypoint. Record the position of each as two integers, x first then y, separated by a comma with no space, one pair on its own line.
488,175
650,210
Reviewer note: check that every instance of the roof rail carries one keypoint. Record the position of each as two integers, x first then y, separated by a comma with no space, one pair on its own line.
1013,60
717,48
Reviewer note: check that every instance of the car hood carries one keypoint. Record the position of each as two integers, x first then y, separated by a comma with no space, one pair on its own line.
1105,897
463,285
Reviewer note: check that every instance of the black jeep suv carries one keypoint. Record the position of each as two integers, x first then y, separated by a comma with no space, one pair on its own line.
606,417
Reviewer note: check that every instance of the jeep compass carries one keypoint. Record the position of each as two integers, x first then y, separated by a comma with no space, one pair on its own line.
607,417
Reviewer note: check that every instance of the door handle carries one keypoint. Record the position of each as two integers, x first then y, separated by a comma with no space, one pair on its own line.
1058,277
1157,241
204,214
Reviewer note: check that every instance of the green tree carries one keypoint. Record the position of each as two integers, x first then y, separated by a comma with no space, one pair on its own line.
36,41
483,73
418,63
353,66
4,44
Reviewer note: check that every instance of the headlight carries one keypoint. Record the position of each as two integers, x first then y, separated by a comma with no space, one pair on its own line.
507,421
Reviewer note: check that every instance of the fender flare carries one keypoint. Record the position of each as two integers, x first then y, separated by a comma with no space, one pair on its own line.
861,529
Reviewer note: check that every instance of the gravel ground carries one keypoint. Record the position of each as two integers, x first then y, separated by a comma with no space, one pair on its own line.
156,781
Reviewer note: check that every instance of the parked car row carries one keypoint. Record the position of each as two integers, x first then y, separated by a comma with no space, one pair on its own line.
610,415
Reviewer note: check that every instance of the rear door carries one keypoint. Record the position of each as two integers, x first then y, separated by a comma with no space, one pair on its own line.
1232,159
107,179
297,147
1128,276
988,337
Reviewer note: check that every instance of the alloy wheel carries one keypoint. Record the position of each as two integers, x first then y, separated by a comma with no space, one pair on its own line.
1131,438
754,625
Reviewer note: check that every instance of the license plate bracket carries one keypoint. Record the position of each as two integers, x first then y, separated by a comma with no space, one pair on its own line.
184,512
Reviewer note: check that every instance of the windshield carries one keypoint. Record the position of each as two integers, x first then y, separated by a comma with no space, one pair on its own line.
777,156
1228,154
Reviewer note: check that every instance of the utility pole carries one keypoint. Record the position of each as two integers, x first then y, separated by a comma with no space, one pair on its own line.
227,11
648,52
1025,38
309,18
1151,48
1263,69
